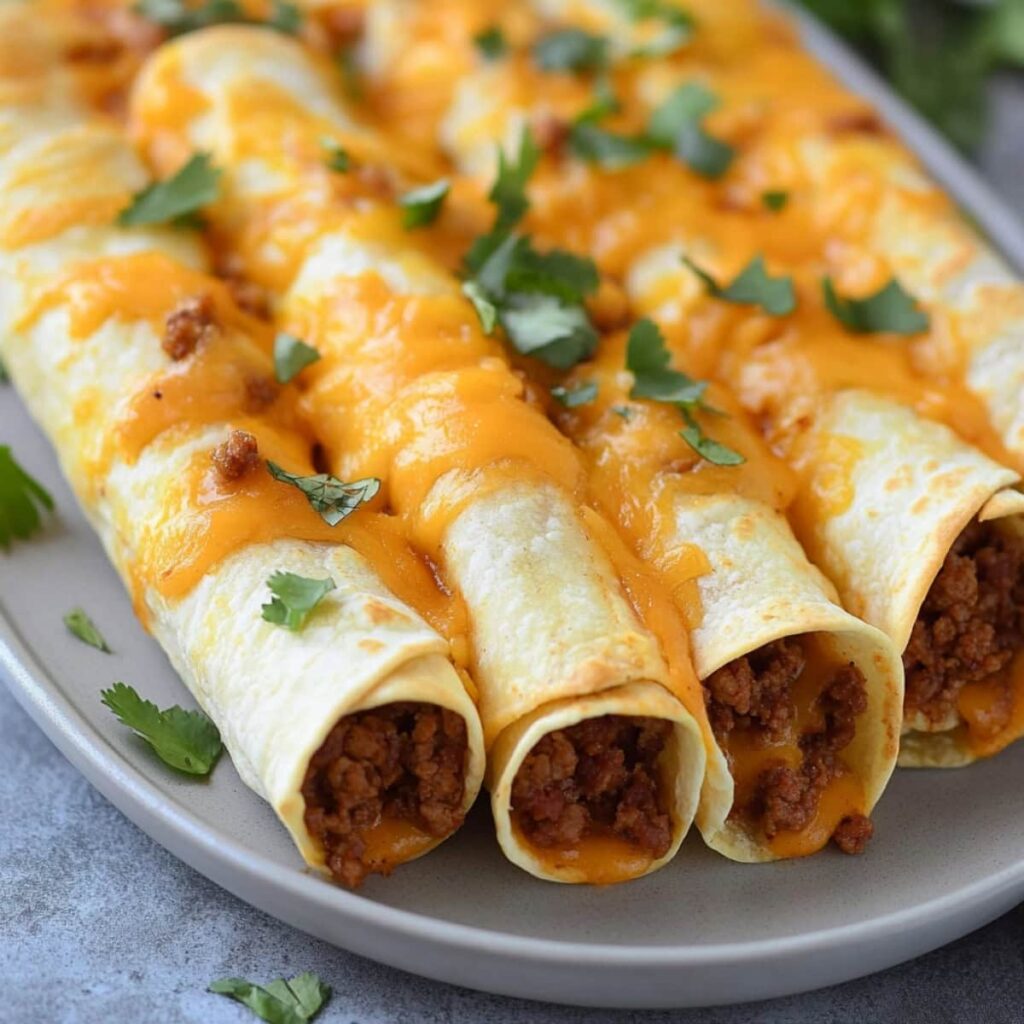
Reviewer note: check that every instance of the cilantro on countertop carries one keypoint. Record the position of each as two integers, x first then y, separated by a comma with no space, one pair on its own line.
293,599
21,498
754,286
295,1001
178,198
890,309
648,359
79,623
333,499
421,206
186,740
291,356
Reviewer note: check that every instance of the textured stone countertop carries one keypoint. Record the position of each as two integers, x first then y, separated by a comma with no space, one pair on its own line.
99,924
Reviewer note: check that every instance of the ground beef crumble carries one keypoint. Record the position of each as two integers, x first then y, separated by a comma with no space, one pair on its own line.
971,622
401,761
236,456
192,322
755,693
598,777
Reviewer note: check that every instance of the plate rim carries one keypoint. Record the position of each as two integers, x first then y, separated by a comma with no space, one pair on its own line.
40,694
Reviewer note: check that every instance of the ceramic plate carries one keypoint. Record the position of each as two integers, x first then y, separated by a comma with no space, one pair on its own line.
948,857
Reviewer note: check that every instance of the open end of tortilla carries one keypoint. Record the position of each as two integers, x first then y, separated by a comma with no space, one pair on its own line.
386,785
964,662
787,717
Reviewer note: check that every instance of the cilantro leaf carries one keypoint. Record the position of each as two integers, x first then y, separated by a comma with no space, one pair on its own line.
890,309
330,497
79,623
421,206
626,412
186,740
279,1002
713,451
485,309
179,17
337,156
556,272
570,49
775,200
20,495
291,356
491,43
294,598
542,327
678,124
648,359
677,28
195,185
588,141
754,286
575,396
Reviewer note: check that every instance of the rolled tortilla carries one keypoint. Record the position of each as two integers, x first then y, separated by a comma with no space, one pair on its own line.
83,306
480,480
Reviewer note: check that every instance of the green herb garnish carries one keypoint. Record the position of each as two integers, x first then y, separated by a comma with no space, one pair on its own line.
293,599
4,378
21,498
291,356
420,206
571,49
890,309
186,740
576,395
280,1002
677,25
179,17
79,623
648,359
337,156
491,43
177,199
330,497
588,141
678,124
774,200
754,286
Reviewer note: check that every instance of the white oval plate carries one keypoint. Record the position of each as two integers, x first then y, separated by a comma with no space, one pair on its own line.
948,856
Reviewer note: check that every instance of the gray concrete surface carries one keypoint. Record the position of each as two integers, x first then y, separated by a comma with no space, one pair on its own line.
98,924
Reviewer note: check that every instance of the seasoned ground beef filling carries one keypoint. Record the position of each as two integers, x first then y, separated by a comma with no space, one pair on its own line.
971,622
598,777
754,693
400,761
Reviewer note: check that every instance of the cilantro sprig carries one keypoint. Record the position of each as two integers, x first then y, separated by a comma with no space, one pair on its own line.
21,499
333,499
676,28
754,286
179,17
79,624
293,599
336,156
537,297
291,356
576,395
421,206
571,49
890,309
186,740
648,359
678,125
176,200
294,1001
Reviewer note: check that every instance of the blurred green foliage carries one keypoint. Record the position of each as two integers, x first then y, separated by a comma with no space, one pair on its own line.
937,53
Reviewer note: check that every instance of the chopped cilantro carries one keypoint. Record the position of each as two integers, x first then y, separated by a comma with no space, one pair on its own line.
491,43
337,156
21,498
186,740
295,1001
79,623
294,598
890,309
648,359
754,286
677,26
588,141
775,200
576,395
678,124
291,356
570,49
485,309
420,206
625,412
330,497
179,17
176,199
